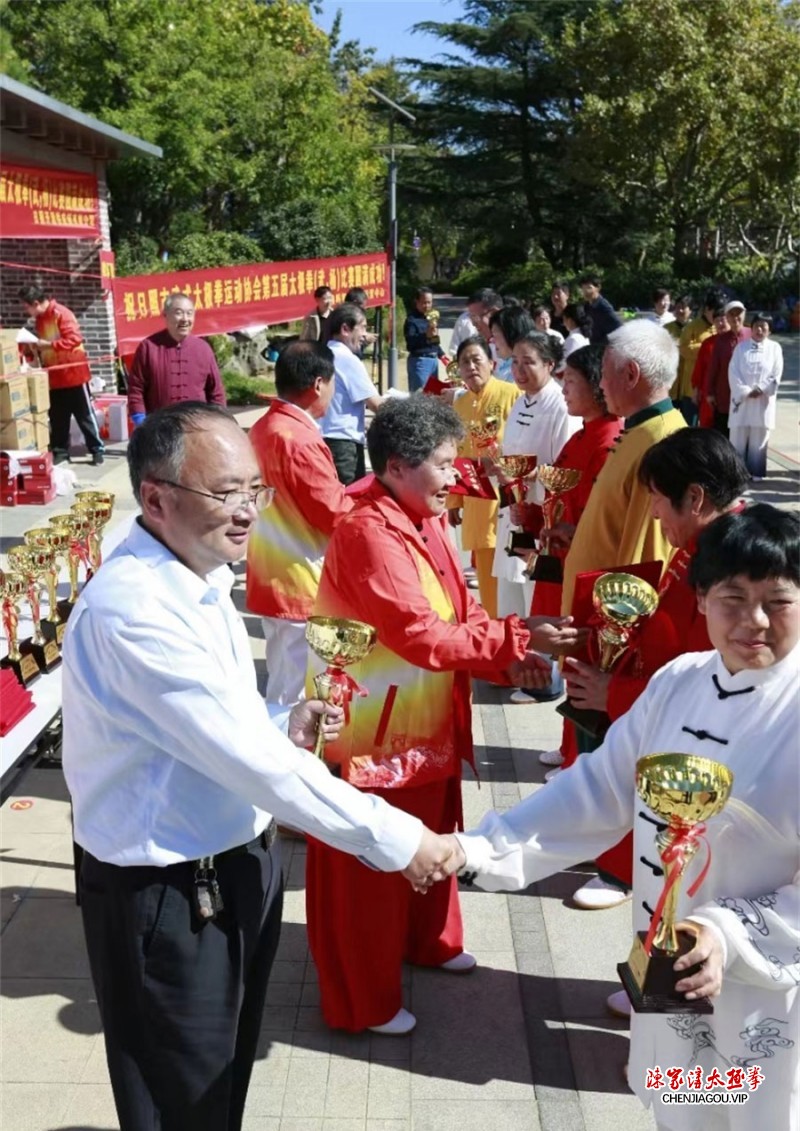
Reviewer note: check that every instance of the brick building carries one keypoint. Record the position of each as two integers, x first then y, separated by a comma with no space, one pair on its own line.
37,131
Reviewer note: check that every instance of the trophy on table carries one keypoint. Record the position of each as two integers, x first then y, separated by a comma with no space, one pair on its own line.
77,527
620,600
97,506
685,791
339,642
516,470
13,591
30,565
543,566
51,543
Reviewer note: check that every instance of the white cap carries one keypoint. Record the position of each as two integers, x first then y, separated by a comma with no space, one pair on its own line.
735,305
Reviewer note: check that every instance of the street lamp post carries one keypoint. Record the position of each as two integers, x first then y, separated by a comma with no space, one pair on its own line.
393,242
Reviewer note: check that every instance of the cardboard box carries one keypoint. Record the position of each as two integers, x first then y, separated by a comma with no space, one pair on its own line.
38,390
13,398
17,436
41,427
9,352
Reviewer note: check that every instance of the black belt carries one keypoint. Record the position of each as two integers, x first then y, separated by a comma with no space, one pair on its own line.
264,840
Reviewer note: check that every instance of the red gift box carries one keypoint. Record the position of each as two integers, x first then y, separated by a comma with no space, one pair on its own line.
8,493
39,465
32,495
472,480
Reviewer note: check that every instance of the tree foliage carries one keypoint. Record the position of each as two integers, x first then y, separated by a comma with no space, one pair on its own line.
615,130
243,96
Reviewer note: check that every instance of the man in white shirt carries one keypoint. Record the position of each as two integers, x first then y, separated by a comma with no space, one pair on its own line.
344,426
473,320
176,770
754,375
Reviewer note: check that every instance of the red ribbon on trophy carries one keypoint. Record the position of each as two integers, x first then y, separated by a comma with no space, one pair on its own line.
676,854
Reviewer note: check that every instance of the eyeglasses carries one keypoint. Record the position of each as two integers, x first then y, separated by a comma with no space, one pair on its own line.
232,501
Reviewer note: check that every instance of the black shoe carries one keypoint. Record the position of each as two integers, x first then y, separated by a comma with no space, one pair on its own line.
98,458
60,456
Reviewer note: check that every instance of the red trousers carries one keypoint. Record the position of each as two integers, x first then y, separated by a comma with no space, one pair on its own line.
363,924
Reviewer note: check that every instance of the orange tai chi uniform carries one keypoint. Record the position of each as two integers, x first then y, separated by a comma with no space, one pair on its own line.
404,741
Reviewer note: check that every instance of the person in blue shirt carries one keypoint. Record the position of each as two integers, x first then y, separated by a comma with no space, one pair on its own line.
343,425
422,341
604,317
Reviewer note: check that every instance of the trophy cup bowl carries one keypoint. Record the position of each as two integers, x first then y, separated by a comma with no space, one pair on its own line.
452,373
544,566
339,642
685,790
514,469
13,591
485,432
34,566
620,600
433,317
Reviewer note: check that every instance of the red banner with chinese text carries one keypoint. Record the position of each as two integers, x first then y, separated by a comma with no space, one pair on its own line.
37,204
231,298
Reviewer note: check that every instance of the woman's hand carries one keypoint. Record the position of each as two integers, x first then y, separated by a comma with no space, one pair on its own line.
588,686
756,393
555,635
707,949
559,536
454,516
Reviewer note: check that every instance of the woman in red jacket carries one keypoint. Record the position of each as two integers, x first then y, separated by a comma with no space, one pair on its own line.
64,357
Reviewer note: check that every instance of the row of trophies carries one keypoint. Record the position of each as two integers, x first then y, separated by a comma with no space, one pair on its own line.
72,539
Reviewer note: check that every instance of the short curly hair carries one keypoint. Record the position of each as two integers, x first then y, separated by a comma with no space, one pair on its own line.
411,430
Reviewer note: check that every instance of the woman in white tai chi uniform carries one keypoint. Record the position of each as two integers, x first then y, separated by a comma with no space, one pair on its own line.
736,705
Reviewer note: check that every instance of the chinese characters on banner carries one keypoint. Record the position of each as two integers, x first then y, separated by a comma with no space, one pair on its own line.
37,204
107,269
230,298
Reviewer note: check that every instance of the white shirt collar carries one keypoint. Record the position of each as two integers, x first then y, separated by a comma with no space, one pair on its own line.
154,554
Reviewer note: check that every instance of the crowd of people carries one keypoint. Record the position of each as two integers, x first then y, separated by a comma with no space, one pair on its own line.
177,795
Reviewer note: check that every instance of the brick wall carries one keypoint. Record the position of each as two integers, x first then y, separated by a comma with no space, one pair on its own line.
76,288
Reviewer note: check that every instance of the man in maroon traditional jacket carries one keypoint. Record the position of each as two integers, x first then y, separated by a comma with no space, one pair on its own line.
172,365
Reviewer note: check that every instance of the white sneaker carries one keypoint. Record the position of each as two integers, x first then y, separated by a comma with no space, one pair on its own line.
402,1022
597,895
521,697
552,758
553,773
460,963
619,1004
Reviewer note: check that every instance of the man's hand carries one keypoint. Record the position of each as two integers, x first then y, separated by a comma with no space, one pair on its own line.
532,673
433,860
588,686
707,982
304,719
556,635
559,536
454,516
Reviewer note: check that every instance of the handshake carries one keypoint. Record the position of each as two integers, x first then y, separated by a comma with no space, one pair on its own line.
437,857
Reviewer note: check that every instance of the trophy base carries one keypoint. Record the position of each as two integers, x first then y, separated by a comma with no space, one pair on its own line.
25,668
46,655
649,980
520,540
595,723
53,630
547,568
64,609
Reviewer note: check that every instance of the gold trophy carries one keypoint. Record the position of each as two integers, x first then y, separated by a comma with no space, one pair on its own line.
77,526
485,433
452,373
620,600
28,564
543,566
97,507
14,590
515,470
685,791
52,543
434,318
339,642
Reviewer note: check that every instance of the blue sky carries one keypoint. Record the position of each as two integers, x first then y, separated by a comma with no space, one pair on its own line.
386,24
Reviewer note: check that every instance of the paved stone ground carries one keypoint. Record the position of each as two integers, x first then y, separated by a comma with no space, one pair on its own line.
522,1044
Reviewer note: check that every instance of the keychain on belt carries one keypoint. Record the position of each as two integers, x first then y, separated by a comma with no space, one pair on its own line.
207,896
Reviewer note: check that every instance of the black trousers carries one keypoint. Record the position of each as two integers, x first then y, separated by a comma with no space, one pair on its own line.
348,456
181,1003
66,403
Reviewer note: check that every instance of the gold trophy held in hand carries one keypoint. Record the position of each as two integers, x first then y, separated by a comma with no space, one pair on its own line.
620,600
543,566
485,433
685,791
14,590
339,642
33,567
516,470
